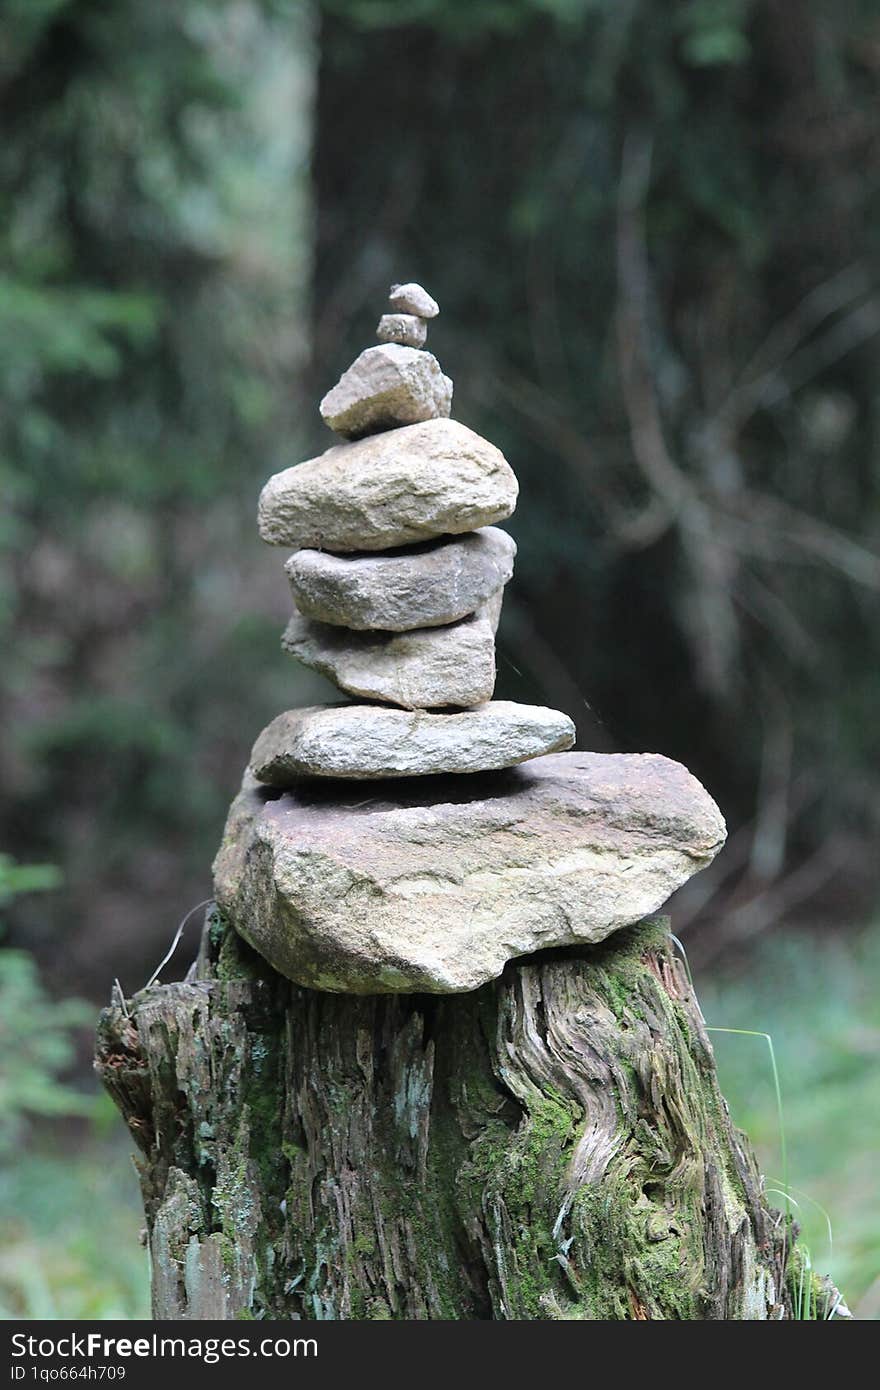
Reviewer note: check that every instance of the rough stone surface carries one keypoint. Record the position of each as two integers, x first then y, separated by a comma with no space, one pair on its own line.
435,886
407,329
411,484
427,668
420,586
373,742
385,387
412,299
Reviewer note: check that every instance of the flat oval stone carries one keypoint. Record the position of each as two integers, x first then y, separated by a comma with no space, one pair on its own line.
411,484
385,387
419,586
434,885
372,741
428,668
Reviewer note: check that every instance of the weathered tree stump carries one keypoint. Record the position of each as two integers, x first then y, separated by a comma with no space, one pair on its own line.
553,1145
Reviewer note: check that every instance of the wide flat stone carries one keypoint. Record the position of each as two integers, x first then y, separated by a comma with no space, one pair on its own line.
434,886
420,586
373,742
392,489
387,386
427,668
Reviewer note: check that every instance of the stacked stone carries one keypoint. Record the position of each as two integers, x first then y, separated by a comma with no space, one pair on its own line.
397,575
427,883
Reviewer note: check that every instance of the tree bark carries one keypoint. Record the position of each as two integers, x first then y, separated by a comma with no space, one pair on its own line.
553,1145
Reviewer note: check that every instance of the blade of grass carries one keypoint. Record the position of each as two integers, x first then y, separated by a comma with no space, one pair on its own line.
783,1147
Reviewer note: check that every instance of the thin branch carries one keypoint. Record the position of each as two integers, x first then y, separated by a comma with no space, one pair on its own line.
786,337
640,398
807,533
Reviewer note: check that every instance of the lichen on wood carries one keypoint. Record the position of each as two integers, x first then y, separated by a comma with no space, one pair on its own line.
553,1145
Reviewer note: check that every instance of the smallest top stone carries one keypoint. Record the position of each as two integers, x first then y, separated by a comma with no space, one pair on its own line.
412,299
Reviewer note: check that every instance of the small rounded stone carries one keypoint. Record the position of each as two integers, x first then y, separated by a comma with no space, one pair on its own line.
407,329
387,386
412,299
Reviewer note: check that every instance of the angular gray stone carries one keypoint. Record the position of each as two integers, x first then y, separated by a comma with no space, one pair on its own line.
390,489
387,386
412,299
434,886
372,742
419,586
407,329
427,668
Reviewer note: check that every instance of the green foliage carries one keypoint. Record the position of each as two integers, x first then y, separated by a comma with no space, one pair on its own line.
36,1046
36,1037
151,262
459,21
71,1216
714,32
25,878
820,1001
57,1260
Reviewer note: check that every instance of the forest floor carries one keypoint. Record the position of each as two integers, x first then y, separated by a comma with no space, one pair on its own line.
71,1216
819,999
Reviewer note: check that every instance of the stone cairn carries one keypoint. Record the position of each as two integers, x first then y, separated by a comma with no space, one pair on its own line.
434,879
398,578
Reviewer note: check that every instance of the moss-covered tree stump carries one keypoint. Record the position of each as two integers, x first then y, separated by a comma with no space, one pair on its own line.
553,1145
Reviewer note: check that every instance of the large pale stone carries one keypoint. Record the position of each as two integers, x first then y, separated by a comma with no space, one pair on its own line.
390,489
370,741
434,886
385,387
427,668
420,586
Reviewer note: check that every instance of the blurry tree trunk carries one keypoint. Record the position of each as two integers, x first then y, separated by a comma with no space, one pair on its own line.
553,1145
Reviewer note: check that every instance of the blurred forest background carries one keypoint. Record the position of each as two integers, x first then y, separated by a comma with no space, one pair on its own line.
654,232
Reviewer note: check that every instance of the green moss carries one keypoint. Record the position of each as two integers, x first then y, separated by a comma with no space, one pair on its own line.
378,1310
630,1245
364,1244
811,1294
236,960
216,927
498,1219
521,1172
